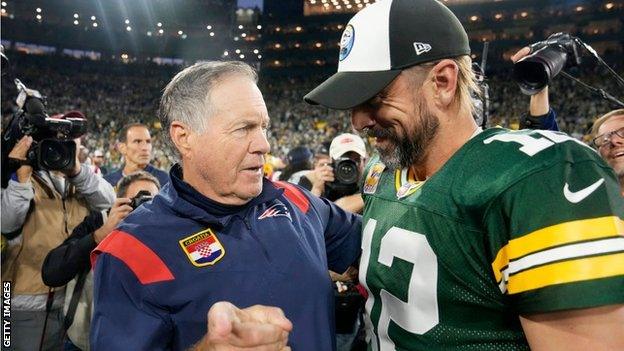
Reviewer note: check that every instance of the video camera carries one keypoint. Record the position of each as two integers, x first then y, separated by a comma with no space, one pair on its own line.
140,198
547,59
346,177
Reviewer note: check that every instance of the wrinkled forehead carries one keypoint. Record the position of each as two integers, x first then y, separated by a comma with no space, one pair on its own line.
614,123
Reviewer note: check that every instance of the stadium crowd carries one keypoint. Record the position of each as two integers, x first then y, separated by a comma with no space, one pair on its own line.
112,94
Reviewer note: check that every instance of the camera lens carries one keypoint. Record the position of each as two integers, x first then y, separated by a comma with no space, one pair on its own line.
535,71
57,155
346,171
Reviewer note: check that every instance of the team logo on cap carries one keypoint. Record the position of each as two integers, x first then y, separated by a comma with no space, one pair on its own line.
203,248
346,42
421,48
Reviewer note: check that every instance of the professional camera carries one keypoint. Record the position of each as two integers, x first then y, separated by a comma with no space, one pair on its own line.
140,198
53,147
547,59
346,177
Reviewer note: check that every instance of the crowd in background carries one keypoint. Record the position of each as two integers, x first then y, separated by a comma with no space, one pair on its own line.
112,94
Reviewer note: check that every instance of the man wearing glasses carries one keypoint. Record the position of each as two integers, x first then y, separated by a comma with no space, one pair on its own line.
608,138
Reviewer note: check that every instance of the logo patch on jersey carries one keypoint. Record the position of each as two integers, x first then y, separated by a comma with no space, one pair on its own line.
277,210
372,179
203,249
405,183
408,189
578,196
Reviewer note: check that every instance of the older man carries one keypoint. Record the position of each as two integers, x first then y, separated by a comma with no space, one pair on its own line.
220,231
608,138
472,239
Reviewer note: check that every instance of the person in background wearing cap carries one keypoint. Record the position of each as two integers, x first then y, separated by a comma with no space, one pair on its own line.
321,180
492,239
39,210
135,145
299,164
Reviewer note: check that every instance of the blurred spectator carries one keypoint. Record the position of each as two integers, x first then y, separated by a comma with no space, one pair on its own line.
39,210
135,145
71,259
98,162
299,164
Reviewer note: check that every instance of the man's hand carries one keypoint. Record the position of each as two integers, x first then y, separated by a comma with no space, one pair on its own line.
118,212
19,152
321,174
256,328
77,166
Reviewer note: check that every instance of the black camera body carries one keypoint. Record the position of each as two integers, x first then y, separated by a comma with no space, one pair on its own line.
141,197
53,146
346,178
547,59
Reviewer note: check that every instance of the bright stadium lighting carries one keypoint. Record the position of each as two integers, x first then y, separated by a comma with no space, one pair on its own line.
124,56
523,14
241,56
76,22
579,8
160,31
180,32
38,10
159,24
298,28
128,28
256,51
209,27
225,53
127,21
608,5
149,33
240,26
3,11
259,26
498,16
237,51
212,34
277,45
93,18
474,18
244,35
4,3
236,38
259,56
318,45
76,15
95,24
184,36
38,17
360,6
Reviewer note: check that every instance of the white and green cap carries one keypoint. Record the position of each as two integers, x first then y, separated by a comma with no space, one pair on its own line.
383,39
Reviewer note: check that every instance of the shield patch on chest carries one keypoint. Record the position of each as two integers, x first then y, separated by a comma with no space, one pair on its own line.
203,248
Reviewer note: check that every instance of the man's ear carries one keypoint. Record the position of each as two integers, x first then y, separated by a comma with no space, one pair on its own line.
444,75
181,137
121,147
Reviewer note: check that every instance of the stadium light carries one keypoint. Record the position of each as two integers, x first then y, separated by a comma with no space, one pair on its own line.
38,10
209,27
244,35
498,16
236,38
241,56
128,28
38,17
238,51
4,3
579,8
93,18
127,21
523,14
159,24
212,34
277,45
256,51
318,45
3,11
298,28
184,36
149,33
608,5
259,56
95,24
259,26
76,16
180,32
160,31
225,53
240,26
76,22
474,18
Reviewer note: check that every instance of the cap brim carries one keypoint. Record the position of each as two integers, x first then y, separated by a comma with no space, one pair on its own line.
345,90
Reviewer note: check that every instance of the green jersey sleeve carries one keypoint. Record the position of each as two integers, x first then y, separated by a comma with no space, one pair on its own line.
557,238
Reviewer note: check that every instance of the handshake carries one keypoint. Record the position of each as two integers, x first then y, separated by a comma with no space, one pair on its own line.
253,328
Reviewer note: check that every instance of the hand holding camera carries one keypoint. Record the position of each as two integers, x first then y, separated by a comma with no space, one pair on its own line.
19,154
321,174
120,210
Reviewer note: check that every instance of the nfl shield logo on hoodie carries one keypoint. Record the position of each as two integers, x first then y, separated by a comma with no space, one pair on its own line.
203,248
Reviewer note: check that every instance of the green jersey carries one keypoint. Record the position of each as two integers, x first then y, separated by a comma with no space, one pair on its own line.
515,222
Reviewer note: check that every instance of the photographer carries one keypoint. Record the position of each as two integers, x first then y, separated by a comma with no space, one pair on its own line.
347,152
39,210
71,259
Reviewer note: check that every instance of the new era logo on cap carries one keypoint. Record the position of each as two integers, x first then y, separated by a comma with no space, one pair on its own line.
421,48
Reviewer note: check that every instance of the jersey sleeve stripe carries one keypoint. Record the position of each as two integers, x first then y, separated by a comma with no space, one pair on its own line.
570,271
295,195
556,235
142,261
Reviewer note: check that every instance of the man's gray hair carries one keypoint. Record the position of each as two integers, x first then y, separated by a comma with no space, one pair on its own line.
187,96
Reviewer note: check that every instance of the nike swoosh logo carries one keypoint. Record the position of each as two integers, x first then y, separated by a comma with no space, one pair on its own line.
578,196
